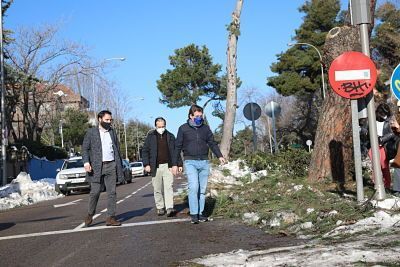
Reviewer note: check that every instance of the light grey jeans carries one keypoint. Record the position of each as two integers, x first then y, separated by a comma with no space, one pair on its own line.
163,190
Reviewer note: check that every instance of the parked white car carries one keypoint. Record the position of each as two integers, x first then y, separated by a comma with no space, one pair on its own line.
71,176
137,169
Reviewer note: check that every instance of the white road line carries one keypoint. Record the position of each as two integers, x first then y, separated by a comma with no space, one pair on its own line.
104,210
67,204
91,229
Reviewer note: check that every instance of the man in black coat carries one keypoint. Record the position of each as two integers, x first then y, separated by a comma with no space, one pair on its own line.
159,158
102,161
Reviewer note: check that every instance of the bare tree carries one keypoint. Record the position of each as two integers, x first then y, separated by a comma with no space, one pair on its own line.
231,98
41,63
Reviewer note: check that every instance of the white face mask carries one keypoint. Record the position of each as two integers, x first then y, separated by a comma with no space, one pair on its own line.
160,130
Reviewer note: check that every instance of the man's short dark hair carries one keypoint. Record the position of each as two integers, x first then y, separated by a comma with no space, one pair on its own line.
193,109
101,114
159,119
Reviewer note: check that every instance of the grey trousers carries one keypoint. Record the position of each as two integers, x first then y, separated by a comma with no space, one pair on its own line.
163,190
109,179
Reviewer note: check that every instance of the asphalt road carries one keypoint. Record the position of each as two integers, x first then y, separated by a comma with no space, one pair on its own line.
51,233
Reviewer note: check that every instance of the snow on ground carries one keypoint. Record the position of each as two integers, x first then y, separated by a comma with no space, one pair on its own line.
337,254
232,172
23,191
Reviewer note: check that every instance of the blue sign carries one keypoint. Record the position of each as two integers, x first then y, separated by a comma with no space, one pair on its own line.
395,82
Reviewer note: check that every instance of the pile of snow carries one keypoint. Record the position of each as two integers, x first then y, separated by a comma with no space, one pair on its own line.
337,254
219,175
380,220
23,191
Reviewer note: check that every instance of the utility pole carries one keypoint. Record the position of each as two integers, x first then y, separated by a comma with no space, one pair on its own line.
3,105
361,16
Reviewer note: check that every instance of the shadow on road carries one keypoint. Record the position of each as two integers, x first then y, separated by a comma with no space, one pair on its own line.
130,214
148,195
4,226
44,219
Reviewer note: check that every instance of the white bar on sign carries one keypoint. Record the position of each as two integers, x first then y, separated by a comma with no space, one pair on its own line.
346,75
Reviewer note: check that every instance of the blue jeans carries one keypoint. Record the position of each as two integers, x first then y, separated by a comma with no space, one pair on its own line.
197,172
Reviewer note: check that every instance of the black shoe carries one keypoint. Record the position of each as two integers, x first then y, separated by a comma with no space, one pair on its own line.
160,212
170,212
203,218
194,219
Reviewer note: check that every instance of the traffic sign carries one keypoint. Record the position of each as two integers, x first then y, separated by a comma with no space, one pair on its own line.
395,82
252,111
352,75
272,109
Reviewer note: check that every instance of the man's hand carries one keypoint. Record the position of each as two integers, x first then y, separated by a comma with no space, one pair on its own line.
147,169
87,166
222,160
174,170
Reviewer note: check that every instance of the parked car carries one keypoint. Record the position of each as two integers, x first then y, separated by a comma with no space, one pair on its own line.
137,169
126,167
71,176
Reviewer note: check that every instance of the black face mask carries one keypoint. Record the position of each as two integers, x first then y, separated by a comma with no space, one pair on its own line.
105,125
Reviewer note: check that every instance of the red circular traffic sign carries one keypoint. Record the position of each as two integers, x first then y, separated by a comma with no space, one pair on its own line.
352,75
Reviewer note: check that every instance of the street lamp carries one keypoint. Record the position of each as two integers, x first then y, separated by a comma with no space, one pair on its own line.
320,60
93,81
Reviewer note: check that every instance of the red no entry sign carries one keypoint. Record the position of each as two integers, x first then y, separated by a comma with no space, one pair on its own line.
352,75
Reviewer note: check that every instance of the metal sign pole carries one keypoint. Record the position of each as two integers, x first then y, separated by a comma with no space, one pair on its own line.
253,123
356,141
361,16
274,126
357,150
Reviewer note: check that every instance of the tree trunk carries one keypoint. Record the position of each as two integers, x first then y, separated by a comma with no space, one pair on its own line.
231,97
333,154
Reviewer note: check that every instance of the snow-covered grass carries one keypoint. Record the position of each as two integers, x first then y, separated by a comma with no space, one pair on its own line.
339,231
23,191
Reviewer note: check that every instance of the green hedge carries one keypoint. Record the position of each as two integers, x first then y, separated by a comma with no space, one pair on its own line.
291,162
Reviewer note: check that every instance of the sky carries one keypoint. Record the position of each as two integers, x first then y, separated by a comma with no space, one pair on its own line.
147,32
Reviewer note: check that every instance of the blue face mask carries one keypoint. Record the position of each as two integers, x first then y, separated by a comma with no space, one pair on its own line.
198,120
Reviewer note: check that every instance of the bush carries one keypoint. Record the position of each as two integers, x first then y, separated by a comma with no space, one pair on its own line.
291,162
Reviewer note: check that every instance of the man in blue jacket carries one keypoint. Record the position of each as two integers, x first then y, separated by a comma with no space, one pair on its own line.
195,139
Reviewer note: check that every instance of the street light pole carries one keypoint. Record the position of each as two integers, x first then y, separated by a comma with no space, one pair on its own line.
137,140
3,107
126,145
320,61
61,133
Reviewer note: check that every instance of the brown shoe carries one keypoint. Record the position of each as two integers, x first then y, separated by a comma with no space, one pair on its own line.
88,220
111,221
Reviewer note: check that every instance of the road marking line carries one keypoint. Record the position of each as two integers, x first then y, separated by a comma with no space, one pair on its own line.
67,204
97,215
91,229
119,201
